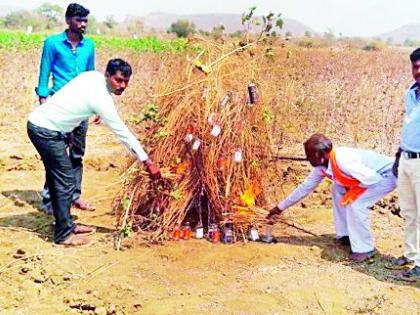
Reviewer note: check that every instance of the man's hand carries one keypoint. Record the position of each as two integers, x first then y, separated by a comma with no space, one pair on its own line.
396,163
153,170
276,211
97,120
42,100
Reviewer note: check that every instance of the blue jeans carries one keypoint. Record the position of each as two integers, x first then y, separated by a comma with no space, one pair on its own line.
76,143
51,146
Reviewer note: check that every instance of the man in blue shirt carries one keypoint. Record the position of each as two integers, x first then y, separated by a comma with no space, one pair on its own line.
65,56
408,170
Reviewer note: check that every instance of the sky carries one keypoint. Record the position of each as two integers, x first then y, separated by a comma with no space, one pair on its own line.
349,17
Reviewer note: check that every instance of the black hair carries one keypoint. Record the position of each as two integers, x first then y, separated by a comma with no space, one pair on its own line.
118,64
415,55
75,9
319,143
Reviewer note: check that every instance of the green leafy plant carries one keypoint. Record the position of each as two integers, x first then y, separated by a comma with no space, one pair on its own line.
268,116
176,193
127,231
151,113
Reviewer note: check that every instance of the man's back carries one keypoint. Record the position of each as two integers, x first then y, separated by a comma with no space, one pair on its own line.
371,159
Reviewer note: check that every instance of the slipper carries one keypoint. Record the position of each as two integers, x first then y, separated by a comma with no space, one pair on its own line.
74,241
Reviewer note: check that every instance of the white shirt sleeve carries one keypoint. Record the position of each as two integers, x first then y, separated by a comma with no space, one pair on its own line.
352,165
105,108
309,184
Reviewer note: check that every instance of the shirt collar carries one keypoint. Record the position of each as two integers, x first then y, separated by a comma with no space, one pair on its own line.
414,86
66,39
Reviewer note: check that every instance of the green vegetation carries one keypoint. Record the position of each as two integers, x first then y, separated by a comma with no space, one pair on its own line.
411,42
182,28
10,39
151,44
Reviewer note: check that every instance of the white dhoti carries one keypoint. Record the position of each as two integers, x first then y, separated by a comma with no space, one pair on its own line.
353,220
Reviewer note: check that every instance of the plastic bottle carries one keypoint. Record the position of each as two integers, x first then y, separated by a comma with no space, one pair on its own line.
253,234
199,232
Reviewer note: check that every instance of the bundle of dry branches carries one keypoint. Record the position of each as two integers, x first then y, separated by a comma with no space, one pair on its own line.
210,131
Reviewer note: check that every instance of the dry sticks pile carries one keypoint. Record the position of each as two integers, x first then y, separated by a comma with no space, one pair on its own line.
209,130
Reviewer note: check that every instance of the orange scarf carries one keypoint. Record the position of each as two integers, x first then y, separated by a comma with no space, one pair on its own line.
351,184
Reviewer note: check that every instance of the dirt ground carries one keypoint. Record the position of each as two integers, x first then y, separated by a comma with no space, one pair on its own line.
302,274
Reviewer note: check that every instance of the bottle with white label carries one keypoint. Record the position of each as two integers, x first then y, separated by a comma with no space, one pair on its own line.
196,145
253,234
199,231
237,156
216,130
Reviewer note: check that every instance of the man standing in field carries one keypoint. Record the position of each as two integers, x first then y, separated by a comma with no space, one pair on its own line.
65,56
63,112
360,178
407,167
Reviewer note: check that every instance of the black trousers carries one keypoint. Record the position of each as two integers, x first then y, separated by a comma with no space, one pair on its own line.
61,181
76,142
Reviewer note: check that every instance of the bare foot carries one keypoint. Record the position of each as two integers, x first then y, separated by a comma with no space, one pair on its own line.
83,205
84,230
74,241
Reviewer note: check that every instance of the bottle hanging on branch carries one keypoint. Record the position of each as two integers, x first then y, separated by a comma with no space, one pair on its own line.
253,96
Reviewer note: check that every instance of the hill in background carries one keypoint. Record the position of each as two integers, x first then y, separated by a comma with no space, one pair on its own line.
402,34
206,22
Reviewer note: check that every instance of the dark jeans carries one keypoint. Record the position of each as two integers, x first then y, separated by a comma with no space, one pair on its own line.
51,145
76,143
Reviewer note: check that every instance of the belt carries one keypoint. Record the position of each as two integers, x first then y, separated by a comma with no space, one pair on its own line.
411,155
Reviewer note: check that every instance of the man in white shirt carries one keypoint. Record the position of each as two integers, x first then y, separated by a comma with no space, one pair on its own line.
360,179
86,95
407,167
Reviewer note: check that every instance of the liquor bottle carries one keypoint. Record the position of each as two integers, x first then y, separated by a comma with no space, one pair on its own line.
253,234
227,234
199,232
210,232
176,235
216,235
187,231
268,234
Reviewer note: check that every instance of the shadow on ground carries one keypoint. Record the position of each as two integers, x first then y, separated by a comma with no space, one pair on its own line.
331,251
24,197
38,222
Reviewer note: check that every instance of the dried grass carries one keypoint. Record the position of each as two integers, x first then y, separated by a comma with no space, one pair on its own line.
205,185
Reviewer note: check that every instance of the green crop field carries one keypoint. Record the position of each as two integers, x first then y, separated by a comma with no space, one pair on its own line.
20,40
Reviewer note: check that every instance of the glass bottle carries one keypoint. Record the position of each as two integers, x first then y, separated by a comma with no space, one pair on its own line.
228,233
176,235
216,235
187,231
